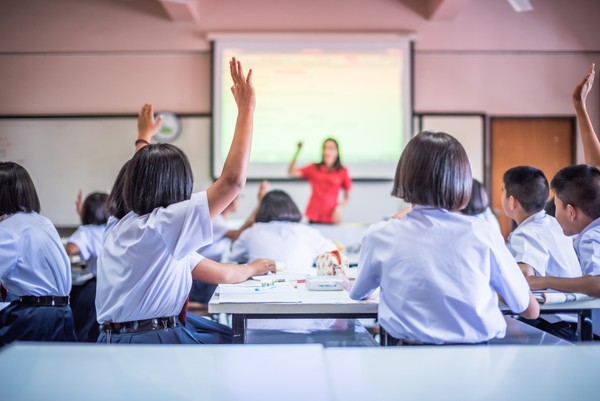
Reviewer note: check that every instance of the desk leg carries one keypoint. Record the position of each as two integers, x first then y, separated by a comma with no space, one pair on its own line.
238,323
586,332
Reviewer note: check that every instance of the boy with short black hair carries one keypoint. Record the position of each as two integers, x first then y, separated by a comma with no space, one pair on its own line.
538,243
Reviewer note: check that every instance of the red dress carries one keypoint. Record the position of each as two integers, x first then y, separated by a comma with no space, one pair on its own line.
326,187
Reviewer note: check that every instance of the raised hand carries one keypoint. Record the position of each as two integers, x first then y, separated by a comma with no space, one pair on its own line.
299,146
147,125
79,203
583,88
263,189
242,89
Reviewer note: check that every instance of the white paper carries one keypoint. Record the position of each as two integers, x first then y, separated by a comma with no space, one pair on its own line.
278,293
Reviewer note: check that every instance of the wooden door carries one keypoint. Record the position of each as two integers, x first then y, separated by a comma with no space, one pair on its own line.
545,143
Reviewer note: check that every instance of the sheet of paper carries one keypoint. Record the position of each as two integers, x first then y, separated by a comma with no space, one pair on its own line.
280,277
278,293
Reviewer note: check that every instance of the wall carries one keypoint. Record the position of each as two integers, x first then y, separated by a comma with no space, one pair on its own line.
109,57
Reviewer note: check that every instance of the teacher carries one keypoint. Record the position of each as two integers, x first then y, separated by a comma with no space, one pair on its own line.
326,179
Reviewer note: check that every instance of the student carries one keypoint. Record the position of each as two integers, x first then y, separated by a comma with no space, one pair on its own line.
538,243
277,234
439,271
86,242
577,197
220,248
34,266
149,256
326,179
479,206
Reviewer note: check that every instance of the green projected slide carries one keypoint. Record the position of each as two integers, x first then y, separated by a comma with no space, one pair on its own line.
356,93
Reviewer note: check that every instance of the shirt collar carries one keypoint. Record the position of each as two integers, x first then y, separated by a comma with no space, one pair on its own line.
589,227
536,216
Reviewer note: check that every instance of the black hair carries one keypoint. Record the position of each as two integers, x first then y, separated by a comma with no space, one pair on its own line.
17,192
159,175
337,165
479,201
579,186
115,203
550,208
277,206
94,209
528,185
434,170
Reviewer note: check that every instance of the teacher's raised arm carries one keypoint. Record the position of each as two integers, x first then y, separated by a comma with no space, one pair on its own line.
293,171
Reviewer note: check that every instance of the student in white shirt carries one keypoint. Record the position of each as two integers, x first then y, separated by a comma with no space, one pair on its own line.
86,242
149,257
538,243
439,271
577,197
220,248
479,206
34,267
278,234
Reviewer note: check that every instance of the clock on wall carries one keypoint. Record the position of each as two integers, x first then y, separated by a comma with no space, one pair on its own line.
170,129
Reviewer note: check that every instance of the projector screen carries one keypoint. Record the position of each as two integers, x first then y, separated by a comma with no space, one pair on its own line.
354,88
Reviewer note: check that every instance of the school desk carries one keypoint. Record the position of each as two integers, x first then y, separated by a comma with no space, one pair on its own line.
337,304
465,373
312,305
582,308
162,372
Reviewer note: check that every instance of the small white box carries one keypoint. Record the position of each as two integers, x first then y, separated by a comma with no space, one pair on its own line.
324,283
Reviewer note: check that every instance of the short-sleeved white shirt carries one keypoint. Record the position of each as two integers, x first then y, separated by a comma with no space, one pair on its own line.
539,241
33,260
587,246
144,268
221,244
294,245
439,273
88,239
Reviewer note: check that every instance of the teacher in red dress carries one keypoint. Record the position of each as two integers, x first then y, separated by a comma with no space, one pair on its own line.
326,179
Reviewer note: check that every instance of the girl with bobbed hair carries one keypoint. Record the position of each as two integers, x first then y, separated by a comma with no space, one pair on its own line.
439,271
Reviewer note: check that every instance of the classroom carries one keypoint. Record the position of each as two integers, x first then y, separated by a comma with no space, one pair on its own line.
91,88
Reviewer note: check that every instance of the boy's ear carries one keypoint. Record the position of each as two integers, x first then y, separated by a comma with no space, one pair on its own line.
513,203
571,212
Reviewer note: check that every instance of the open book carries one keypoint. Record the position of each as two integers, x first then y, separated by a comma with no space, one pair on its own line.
555,297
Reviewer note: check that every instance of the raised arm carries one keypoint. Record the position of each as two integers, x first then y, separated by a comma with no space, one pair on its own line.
293,171
235,234
591,145
233,178
147,126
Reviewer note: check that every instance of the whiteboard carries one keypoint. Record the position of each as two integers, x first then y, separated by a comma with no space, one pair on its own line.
63,155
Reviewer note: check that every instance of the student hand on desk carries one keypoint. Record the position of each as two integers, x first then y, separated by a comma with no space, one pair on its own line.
262,266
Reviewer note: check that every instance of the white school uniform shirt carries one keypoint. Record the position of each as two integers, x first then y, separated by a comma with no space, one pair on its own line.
144,268
489,217
33,260
293,245
539,241
587,246
88,239
221,244
439,273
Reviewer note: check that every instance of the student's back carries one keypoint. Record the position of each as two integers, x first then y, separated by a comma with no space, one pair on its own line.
295,245
439,273
34,266
539,241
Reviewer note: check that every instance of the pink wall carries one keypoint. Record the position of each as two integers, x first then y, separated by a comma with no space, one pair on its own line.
110,56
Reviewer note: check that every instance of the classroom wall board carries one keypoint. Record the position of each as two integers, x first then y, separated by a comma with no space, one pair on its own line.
63,155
